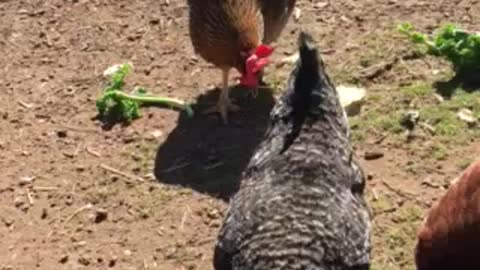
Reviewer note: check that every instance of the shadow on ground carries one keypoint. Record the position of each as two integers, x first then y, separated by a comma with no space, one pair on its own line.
469,81
207,156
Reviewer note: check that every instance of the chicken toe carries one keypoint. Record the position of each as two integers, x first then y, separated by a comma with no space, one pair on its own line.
223,106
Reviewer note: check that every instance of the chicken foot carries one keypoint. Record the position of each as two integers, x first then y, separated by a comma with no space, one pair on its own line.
224,105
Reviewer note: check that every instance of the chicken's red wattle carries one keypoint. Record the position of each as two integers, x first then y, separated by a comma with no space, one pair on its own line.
255,63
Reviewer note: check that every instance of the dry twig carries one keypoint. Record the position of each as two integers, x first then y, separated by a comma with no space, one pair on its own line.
92,152
404,194
78,211
30,197
45,188
120,173
25,105
184,218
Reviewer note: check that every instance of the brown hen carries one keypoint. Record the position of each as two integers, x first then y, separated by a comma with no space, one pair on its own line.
228,34
449,238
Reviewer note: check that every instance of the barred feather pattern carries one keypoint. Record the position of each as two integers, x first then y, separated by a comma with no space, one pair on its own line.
300,205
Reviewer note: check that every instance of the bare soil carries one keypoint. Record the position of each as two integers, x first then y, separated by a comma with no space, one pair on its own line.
151,195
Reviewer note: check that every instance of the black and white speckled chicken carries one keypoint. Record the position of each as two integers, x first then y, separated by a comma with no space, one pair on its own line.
300,204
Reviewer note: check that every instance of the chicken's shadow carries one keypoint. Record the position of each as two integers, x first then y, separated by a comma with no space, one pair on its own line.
207,156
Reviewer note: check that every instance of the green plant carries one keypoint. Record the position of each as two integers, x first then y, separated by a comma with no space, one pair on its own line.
461,48
120,106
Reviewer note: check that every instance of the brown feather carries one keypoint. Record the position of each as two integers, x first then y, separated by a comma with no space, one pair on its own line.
450,235
221,29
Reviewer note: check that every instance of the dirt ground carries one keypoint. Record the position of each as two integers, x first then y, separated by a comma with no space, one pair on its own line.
76,196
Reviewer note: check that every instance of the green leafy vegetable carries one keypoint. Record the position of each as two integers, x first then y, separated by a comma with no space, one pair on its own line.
461,48
120,106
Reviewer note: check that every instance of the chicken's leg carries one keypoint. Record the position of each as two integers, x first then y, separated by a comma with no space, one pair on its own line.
224,104
261,82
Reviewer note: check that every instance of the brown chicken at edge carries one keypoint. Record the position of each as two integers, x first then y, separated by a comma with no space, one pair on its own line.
449,237
227,33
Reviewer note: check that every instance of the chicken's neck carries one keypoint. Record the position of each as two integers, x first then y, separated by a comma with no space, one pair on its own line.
318,110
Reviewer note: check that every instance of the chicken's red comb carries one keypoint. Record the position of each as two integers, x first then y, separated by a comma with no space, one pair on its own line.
263,51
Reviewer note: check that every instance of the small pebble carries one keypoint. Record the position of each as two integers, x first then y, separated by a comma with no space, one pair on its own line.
62,134
84,261
112,262
129,139
80,244
213,214
154,135
101,215
63,259
19,202
26,180
144,214
373,155
44,214
8,221
215,223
